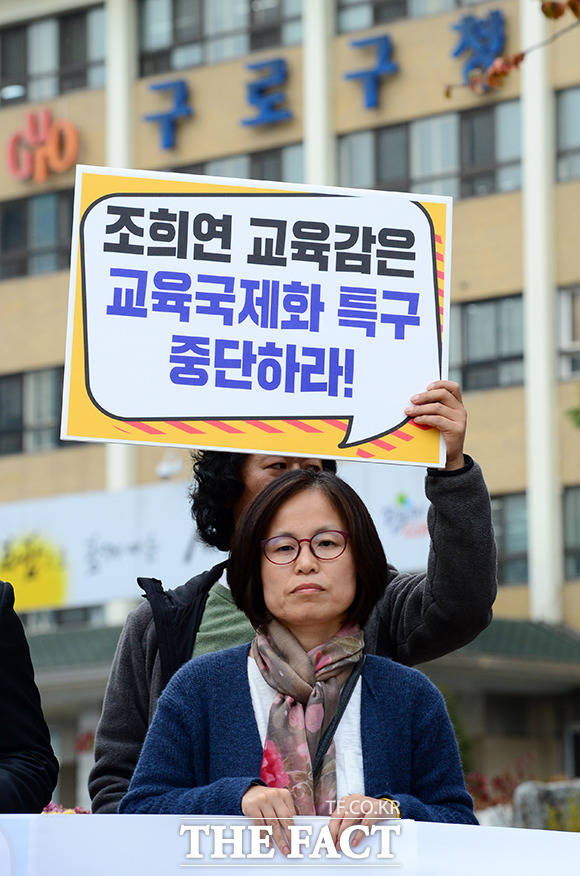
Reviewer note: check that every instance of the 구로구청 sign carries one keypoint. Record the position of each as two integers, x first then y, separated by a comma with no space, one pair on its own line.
241,315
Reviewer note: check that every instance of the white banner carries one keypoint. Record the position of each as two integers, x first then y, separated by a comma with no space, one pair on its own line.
89,548
161,845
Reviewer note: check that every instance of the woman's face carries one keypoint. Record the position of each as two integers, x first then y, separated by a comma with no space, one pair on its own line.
309,596
259,469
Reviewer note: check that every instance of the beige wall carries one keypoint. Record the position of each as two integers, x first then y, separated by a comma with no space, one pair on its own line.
38,475
486,244
422,48
218,99
512,602
33,324
85,109
494,754
572,604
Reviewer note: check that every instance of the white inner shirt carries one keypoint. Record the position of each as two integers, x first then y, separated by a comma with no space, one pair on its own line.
347,739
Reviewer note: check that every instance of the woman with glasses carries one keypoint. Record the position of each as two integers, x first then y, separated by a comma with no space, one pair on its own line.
298,721
417,616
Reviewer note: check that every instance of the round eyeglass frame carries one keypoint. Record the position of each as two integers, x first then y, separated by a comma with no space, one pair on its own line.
299,542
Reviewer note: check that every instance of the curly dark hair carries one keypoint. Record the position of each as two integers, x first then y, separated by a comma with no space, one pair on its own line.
217,486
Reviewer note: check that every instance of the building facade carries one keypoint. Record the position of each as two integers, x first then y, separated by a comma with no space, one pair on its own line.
350,93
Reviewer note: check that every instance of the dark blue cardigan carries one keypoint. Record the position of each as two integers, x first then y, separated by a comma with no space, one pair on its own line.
203,749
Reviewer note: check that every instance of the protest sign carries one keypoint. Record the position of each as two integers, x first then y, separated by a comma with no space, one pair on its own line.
231,314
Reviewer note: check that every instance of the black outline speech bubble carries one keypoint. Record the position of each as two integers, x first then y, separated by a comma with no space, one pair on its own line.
188,417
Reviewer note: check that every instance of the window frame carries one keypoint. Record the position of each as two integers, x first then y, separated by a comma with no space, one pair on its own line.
201,167
375,18
27,427
571,551
25,255
457,178
568,346
256,30
463,368
155,61
8,432
74,617
569,152
504,557
571,746
468,174
58,73
377,21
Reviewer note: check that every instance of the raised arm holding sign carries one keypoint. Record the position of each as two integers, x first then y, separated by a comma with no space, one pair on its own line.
418,617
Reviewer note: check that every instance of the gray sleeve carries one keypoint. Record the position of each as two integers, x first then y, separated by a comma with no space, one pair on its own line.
421,617
130,699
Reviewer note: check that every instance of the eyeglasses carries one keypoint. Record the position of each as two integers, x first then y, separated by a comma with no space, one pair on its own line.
284,549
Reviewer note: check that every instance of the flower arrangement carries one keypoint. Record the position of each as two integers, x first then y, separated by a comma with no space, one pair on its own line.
56,809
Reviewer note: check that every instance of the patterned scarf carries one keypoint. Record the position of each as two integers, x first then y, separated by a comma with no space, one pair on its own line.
308,685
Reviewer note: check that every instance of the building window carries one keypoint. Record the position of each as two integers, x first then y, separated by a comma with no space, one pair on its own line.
359,14
572,532
491,149
356,15
507,714
569,333
38,622
284,164
174,34
30,406
568,115
510,523
572,750
35,234
53,55
486,348
476,152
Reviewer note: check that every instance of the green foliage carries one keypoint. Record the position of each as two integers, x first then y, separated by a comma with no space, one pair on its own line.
574,414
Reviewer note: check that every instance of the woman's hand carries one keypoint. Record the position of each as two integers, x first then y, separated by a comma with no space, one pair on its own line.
271,806
355,809
441,407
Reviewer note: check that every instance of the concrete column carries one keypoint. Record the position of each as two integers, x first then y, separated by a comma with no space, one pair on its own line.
538,149
319,146
121,73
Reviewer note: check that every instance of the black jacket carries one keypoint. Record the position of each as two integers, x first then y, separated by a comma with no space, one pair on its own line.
28,767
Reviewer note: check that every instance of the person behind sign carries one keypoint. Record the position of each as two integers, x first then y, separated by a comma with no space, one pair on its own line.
28,767
417,617
237,732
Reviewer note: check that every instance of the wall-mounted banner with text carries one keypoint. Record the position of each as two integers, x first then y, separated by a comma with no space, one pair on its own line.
255,316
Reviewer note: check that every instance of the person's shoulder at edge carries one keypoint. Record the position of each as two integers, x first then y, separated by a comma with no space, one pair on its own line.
6,596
